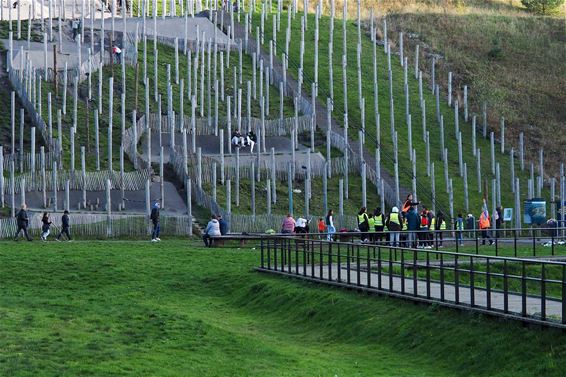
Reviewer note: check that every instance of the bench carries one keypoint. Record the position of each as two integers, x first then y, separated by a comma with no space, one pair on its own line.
242,238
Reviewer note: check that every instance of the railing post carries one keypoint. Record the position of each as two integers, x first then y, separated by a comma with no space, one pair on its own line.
472,284
305,256
505,288
415,270
297,256
358,283
456,280
390,270
329,261
488,282
369,266
402,271
543,292
477,242
262,251
379,267
523,290
427,274
441,277
339,263
321,260
496,242
552,241
534,243
515,242
348,264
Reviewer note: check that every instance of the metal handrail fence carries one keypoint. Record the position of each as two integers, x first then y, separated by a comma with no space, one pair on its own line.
528,290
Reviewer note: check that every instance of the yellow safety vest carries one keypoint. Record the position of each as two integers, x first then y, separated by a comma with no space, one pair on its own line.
432,223
362,218
394,218
378,220
371,222
443,225
405,226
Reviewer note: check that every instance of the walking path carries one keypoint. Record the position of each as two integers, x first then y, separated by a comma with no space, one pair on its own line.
465,293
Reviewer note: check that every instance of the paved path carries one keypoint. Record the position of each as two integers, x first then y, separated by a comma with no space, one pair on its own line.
134,200
553,307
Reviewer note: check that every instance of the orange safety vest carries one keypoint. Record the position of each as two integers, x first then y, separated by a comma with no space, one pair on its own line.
484,221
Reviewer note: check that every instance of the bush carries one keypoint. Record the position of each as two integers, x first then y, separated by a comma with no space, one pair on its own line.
542,6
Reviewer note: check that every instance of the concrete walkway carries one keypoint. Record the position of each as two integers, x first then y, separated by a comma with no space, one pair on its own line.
533,304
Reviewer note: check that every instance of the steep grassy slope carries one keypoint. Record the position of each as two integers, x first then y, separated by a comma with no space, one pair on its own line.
117,308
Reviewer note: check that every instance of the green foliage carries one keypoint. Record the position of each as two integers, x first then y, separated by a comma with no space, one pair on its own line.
542,6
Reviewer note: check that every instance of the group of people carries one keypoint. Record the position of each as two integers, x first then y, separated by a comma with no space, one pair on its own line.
413,228
22,221
409,227
240,140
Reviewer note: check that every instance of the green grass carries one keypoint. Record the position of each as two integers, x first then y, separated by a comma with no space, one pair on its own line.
475,198
316,204
109,309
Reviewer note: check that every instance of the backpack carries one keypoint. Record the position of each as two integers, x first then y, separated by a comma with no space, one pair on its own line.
424,220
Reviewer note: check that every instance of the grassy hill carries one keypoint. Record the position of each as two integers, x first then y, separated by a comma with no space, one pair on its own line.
399,111
110,309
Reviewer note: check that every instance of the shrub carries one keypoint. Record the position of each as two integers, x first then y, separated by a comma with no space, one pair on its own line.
542,6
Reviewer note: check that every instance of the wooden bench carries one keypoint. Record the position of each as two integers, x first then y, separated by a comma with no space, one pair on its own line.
242,238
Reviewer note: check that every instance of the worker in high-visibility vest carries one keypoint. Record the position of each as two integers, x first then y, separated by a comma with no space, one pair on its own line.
395,225
363,224
439,225
379,224
485,225
371,228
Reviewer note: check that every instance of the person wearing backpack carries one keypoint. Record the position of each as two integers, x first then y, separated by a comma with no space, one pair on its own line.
363,224
424,228
22,221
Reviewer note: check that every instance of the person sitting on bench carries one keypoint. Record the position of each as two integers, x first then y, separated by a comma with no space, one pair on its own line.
212,230
251,140
237,139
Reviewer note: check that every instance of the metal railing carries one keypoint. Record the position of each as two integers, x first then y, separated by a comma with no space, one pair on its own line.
523,289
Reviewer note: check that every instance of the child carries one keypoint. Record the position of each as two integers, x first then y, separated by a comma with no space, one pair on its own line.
64,226
46,224
321,227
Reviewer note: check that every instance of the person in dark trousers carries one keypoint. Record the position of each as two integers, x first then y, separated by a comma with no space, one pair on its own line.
363,224
413,225
212,230
223,225
22,221
379,223
154,216
45,226
64,227
498,221
440,226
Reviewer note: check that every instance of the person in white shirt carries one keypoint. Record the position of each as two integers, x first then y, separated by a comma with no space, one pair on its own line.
330,225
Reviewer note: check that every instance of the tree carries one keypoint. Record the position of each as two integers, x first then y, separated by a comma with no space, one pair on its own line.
542,6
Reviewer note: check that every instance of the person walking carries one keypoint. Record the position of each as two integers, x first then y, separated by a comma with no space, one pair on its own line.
154,217
485,225
22,221
460,229
439,225
212,230
379,224
471,225
394,221
45,226
363,224
329,221
413,225
288,225
65,226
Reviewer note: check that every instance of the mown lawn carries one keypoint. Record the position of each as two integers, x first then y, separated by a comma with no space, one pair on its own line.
176,309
